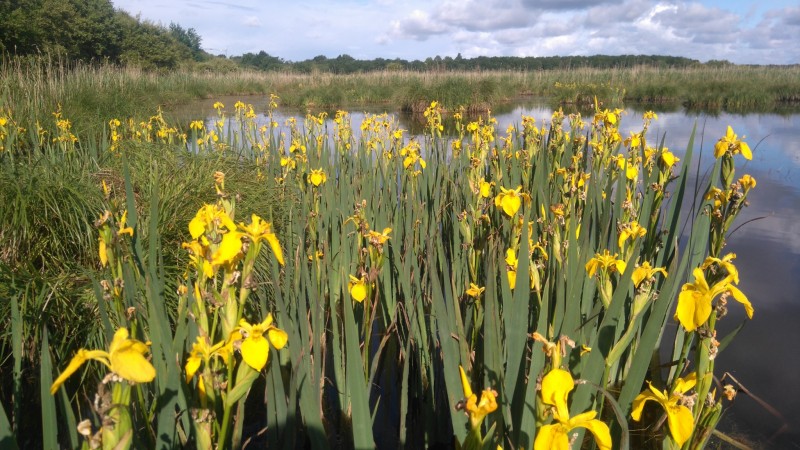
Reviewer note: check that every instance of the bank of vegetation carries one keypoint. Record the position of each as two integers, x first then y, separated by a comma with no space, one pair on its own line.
92,93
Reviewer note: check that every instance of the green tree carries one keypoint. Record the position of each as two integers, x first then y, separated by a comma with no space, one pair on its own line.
262,61
149,46
92,30
190,39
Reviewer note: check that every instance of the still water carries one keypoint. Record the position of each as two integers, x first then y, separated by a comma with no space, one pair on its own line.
763,357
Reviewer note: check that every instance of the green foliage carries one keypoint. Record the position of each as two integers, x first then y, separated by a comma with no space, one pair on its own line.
77,29
261,61
190,39
93,30
149,46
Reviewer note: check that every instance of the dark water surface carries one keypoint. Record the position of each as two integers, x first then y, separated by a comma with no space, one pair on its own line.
764,356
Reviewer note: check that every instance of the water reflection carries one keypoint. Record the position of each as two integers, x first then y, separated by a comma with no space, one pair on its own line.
762,357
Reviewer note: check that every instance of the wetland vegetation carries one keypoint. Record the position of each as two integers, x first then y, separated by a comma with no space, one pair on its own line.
465,267
209,282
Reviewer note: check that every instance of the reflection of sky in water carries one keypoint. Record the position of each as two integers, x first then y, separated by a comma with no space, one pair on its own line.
762,356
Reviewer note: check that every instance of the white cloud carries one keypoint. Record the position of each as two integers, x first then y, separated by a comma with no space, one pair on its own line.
700,24
565,5
252,21
628,12
418,26
474,51
488,15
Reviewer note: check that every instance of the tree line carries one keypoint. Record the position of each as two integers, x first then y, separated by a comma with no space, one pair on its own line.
345,64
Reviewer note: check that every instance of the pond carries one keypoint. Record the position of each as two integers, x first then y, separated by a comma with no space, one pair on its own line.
767,244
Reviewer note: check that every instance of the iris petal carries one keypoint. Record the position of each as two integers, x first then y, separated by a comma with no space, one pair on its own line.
602,435
556,386
741,298
75,363
129,363
551,437
277,337
681,423
255,352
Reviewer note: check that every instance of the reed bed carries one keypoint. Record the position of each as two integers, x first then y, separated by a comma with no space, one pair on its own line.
470,288
93,94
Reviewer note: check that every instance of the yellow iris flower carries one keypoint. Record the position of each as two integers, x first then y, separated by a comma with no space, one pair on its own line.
411,154
679,417
718,195
378,239
255,347
123,225
634,140
668,158
317,177
475,291
694,301
645,272
229,249
357,288
631,231
477,410
726,263
202,352
260,229
288,162
125,357
509,200
605,262
730,143
198,257
206,217
485,188
630,167
511,267
102,251
609,118
556,386
747,182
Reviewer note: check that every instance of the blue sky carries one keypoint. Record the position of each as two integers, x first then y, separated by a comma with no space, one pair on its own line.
741,31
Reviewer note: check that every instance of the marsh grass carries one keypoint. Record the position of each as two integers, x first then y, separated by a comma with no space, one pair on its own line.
93,94
48,258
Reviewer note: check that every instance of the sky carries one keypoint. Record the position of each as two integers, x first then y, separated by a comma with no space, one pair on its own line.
740,31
